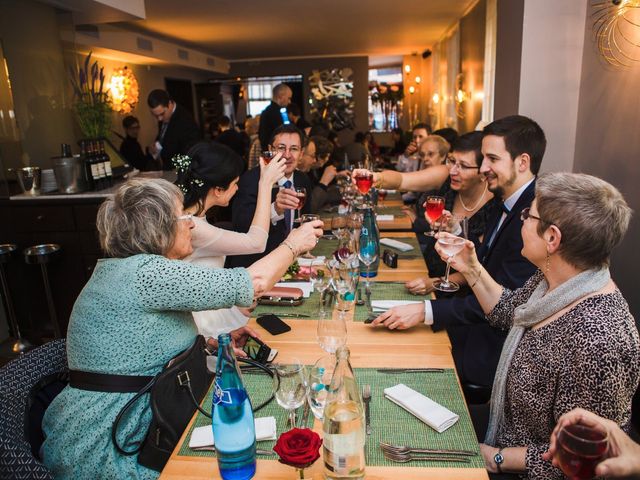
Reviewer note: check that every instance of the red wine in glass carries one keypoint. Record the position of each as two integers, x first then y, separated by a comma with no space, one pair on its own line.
580,449
382,194
267,156
364,183
433,210
302,198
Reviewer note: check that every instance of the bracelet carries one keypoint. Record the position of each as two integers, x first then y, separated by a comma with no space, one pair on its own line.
380,182
477,278
293,251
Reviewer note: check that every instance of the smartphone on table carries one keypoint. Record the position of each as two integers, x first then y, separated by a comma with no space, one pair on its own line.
258,350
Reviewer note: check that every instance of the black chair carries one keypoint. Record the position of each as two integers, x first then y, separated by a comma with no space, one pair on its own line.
28,384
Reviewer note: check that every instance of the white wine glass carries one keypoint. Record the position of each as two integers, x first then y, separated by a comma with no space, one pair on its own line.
291,387
319,380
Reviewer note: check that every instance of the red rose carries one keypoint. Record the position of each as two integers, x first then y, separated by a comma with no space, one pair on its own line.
299,447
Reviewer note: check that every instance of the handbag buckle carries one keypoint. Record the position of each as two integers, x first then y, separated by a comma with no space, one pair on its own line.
183,378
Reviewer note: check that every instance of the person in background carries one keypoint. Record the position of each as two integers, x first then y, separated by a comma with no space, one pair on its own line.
229,136
372,146
357,151
312,162
252,125
272,116
130,148
134,315
572,340
449,134
623,457
295,117
399,145
408,161
177,131
432,151
209,176
289,141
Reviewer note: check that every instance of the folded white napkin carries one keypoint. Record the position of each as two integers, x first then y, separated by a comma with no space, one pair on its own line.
433,414
309,262
306,287
398,245
384,218
202,437
391,192
384,305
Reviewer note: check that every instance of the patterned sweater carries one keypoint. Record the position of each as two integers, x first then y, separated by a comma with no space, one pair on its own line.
589,357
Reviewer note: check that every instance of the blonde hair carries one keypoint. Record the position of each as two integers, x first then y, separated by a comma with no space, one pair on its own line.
139,218
443,146
591,214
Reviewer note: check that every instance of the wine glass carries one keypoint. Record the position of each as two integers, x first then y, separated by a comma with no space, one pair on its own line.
319,380
347,248
368,253
267,156
580,449
320,279
382,194
364,182
451,246
338,224
308,217
301,193
346,284
291,387
332,333
434,206
354,223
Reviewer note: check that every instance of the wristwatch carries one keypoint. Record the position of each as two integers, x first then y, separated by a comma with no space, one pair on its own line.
499,460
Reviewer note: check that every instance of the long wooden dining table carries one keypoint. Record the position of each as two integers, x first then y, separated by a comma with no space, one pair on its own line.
370,348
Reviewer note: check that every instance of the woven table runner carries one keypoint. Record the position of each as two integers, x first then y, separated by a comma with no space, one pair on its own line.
389,422
326,247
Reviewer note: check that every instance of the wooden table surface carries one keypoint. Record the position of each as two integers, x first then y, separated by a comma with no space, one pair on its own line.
399,223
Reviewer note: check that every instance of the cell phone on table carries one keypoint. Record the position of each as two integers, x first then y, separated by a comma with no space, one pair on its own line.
273,324
259,351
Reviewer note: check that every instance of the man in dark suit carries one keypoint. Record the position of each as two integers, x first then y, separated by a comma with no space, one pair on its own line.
230,137
288,140
512,149
177,131
272,117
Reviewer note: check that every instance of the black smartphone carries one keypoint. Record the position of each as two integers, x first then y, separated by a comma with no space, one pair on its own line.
273,324
257,350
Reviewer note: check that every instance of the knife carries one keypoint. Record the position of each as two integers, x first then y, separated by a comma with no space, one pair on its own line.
287,315
410,370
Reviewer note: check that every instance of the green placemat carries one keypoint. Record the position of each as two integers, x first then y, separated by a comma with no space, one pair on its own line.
390,423
384,291
326,247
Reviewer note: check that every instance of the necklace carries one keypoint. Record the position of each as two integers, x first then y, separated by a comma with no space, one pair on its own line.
486,185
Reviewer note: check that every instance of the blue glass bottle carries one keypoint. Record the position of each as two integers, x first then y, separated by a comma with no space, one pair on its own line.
233,425
369,239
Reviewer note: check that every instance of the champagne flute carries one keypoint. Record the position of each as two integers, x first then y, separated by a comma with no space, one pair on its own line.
580,449
434,206
301,193
291,387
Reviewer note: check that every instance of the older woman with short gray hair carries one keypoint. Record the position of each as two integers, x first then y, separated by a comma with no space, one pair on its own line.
572,340
134,315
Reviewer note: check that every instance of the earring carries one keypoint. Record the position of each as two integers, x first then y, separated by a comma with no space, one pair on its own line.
547,263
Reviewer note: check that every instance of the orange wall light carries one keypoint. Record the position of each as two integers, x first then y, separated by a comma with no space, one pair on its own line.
124,90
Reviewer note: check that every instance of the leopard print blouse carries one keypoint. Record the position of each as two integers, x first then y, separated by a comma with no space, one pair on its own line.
589,357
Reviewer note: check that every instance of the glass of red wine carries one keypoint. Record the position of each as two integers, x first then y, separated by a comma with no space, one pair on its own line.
382,194
268,155
301,193
580,449
433,208
364,182
308,217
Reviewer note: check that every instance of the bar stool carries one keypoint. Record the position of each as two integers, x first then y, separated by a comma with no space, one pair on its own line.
18,344
42,255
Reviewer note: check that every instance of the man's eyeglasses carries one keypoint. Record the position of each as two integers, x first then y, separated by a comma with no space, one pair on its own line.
293,149
526,213
452,162
187,217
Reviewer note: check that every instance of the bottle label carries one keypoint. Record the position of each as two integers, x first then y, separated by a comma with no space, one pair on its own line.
107,166
364,231
95,171
221,396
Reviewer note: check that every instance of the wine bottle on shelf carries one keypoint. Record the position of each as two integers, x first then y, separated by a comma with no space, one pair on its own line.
102,174
344,424
233,424
86,160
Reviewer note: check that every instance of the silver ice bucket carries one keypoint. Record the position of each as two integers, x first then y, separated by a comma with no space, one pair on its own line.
28,179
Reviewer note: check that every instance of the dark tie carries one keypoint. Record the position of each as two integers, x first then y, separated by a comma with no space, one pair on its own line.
287,213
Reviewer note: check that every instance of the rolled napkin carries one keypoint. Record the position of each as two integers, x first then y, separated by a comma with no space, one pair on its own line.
384,218
391,192
433,414
384,305
202,437
306,287
309,262
393,243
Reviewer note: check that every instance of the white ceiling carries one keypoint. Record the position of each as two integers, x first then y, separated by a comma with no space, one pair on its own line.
265,29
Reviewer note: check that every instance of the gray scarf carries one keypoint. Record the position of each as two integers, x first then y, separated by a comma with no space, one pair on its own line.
541,305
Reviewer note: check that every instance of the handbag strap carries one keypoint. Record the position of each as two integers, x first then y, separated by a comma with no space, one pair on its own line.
104,382
127,406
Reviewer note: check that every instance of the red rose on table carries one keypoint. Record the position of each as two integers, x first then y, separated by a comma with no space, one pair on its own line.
298,447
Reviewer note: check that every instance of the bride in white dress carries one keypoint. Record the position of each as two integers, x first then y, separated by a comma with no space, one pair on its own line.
208,177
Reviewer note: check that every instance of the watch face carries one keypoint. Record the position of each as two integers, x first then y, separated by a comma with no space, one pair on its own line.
498,458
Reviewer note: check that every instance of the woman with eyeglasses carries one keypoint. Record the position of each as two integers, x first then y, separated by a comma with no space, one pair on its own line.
465,195
134,315
572,341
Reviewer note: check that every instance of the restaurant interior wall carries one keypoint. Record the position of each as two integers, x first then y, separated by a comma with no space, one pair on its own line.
304,67
607,145
472,44
510,15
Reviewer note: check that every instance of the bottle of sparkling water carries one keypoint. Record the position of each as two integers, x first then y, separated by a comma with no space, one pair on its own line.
233,425
343,425
370,242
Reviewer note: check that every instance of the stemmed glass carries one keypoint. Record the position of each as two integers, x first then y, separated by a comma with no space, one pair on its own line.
319,380
346,283
382,194
308,217
338,224
457,225
347,248
320,279
368,253
291,387
364,182
301,193
267,156
434,206
580,449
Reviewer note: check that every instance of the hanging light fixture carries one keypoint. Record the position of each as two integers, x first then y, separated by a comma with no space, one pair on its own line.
616,27
124,90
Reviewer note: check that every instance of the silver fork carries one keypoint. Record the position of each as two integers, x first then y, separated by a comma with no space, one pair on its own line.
366,397
408,457
404,450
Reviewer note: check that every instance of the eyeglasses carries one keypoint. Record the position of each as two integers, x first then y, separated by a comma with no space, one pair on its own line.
451,162
526,213
187,217
293,149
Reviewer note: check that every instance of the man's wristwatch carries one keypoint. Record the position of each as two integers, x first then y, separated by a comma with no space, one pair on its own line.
499,460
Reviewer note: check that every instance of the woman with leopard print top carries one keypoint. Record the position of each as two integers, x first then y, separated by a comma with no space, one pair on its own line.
572,340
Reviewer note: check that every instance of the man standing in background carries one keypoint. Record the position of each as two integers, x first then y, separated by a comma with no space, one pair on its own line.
273,116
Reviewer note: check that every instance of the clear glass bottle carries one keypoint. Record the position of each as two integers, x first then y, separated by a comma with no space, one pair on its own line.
344,424
233,424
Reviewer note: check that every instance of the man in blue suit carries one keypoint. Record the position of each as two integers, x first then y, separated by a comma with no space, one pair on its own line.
512,148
